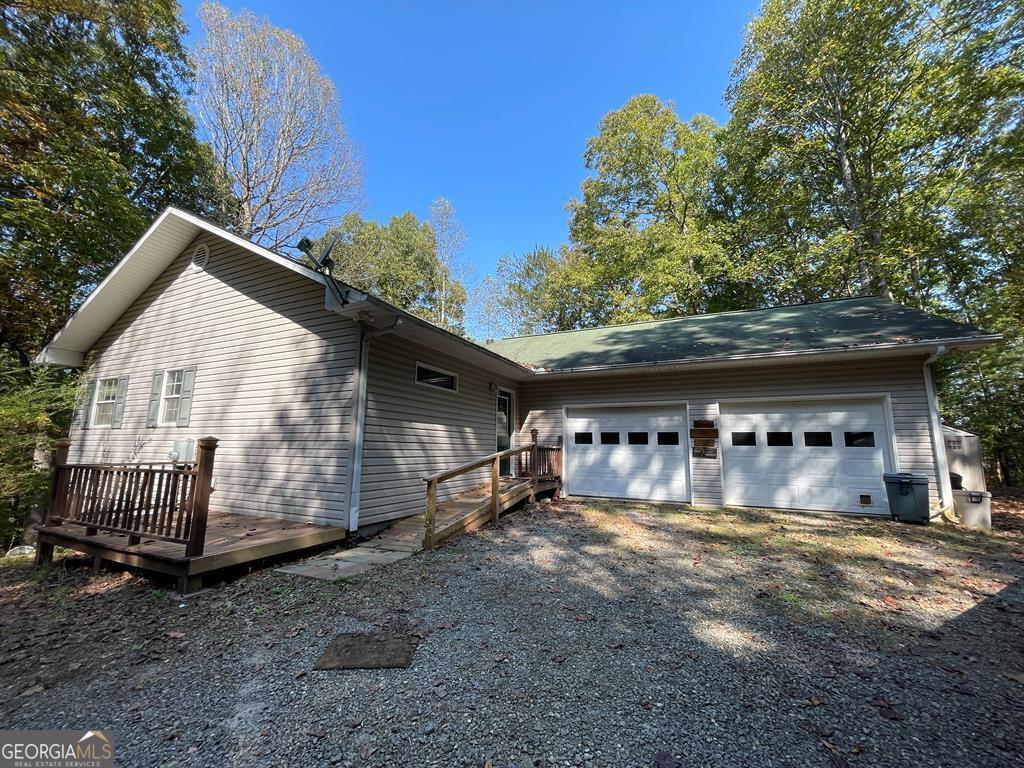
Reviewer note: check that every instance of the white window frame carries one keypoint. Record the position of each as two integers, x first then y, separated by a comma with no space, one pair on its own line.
164,397
96,402
428,366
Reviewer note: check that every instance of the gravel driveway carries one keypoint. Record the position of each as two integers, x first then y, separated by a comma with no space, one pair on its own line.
605,635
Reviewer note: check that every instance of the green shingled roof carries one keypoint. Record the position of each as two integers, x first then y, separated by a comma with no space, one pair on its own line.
829,325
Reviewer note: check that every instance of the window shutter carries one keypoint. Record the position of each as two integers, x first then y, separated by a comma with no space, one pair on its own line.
188,383
122,391
86,409
153,412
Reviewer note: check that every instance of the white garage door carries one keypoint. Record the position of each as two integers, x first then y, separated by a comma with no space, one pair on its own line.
627,453
826,456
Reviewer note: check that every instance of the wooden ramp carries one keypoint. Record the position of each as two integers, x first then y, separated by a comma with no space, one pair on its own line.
461,514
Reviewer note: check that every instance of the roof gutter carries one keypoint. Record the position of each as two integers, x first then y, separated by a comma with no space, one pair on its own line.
945,485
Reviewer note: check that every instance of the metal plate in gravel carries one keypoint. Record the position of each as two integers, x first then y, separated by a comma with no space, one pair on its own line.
368,650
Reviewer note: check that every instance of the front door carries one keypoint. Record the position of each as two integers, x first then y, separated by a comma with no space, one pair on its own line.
503,425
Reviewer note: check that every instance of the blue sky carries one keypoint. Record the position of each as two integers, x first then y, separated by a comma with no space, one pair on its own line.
490,104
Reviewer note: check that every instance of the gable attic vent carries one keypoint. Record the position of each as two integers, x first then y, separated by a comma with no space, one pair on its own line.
200,257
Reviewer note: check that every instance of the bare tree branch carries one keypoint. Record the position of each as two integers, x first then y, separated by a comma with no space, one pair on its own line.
274,122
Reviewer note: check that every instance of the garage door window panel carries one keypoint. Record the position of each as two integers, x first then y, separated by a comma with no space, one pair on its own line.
668,438
583,438
609,438
636,438
859,439
744,439
818,439
779,439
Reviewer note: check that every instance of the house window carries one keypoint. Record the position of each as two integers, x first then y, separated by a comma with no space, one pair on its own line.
744,438
954,444
434,377
609,438
779,438
103,405
170,397
668,438
584,438
859,439
818,439
636,438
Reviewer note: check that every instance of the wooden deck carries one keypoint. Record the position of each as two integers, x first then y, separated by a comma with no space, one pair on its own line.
231,540
461,514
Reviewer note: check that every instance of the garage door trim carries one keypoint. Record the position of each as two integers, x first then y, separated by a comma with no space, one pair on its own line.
682,404
890,453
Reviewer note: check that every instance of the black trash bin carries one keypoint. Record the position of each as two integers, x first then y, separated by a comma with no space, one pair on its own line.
908,497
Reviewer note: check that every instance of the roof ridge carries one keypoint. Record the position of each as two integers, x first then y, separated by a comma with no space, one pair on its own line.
685,317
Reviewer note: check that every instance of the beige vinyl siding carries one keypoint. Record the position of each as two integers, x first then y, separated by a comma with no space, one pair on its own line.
412,430
541,403
273,382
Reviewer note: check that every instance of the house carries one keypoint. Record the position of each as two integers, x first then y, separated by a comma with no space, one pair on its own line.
331,406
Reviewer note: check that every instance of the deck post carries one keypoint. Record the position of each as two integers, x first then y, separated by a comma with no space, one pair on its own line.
534,456
430,515
57,501
201,499
495,488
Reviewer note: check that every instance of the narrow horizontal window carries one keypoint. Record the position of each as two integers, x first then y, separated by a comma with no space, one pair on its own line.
860,439
668,438
779,438
818,439
609,438
432,377
744,438
584,438
636,438
106,396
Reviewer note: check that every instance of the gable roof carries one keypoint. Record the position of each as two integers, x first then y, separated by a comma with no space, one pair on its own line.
165,240
842,325
161,244
864,325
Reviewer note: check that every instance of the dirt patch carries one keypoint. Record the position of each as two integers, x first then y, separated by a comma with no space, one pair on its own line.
368,650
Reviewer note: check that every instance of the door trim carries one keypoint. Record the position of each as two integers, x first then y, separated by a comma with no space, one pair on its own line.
684,404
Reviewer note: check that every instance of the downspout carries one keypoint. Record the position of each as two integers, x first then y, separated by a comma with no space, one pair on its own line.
935,428
358,425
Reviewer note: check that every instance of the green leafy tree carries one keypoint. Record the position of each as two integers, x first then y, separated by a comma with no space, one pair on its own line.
642,231
399,263
95,139
853,124
35,406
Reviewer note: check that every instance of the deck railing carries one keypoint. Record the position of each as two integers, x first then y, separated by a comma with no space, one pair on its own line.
164,501
539,463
